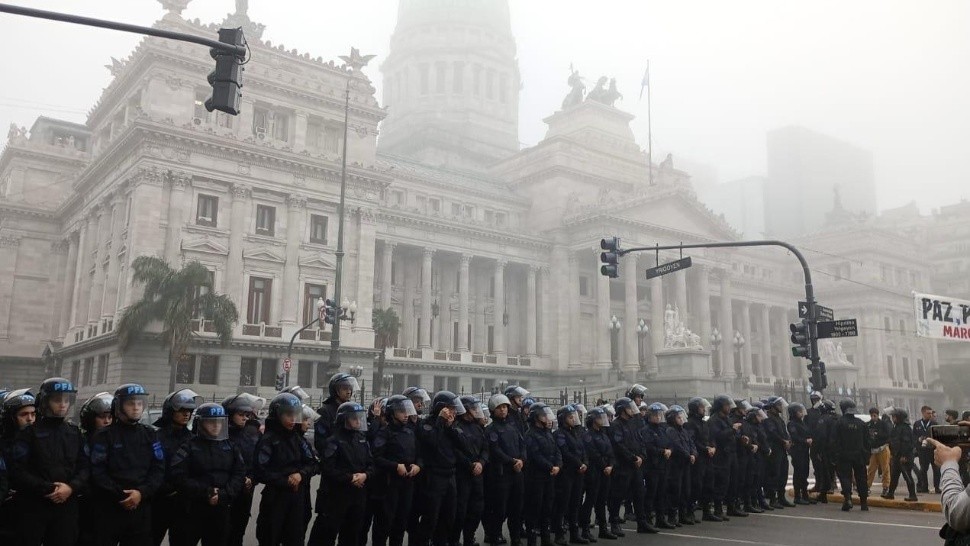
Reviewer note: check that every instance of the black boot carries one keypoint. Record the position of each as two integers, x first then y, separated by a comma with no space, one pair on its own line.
644,526
823,498
719,512
847,504
663,522
773,502
805,496
752,507
864,504
560,538
604,532
735,512
586,535
616,530
763,503
799,499
783,500
685,518
708,514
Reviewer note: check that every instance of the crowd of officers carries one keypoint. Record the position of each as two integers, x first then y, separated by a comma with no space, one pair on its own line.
434,468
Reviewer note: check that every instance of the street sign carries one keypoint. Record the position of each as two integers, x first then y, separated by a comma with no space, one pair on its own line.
287,364
824,313
671,267
837,328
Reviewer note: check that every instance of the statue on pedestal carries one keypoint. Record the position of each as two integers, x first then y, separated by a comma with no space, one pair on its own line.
577,89
676,335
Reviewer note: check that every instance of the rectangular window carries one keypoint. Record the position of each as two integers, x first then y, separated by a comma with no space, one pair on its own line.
503,89
491,287
209,370
185,369
247,372
88,371
458,85
491,339
267,372
453,384
456,209
490,84
906,369
890,369
318,229
102,369
202,290
312,293
439,76
207,211
265,220
501,219
260,291
920,372
469,211
331,140
584,286
261,123
76,372
422,203
424,75
434,206
322,377
304,373
489,216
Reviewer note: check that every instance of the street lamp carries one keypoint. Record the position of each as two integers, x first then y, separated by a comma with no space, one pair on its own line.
614,327
715,343
387,380
642,330
738,344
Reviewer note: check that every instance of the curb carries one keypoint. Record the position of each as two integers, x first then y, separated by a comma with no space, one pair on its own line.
879,502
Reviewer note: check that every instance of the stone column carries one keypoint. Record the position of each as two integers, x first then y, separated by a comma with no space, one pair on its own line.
560,270
746,332
497,315
176,207
572,300
387,261
657,308
702,297
424,342
98,280
680,290
110,306
545,312
463,293
89,260
766,369
727,326
629,333
70,280
299,134
296,214
234,264
603,353
530,311
479,341
366,254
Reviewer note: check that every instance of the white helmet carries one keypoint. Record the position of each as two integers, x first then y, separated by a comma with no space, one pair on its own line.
497,400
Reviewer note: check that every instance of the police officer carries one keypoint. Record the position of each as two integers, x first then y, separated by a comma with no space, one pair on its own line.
439,442
779,441
397,463
657,452
209,474
812,415
127,470
725,463
802,441
95,414
902,451
49,468
702,474
824,439
626,482
636,393
504,490
851,449
755,450
420,398
470,473
683,456
545,463
346,466
244,434
285,463
569,482
173,431
599,451
517,396
16,413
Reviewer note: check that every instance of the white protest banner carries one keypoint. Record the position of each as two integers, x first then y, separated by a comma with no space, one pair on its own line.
941,317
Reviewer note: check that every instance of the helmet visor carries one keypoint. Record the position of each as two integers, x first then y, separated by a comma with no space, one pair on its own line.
185,399
458,407
420,396
602,420
356,420
346,382
294,412
475,410
299,392
403,408
310,415
59,403
132,406
212,428
761,414
782,404
246,402
98,404
518,391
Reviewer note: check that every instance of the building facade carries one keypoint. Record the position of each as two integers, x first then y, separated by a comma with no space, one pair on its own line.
489,254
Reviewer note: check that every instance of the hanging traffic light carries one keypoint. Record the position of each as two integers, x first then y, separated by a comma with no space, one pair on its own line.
801,339
329,311
226,79
611,257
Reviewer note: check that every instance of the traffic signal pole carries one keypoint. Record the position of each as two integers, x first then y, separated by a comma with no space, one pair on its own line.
809,289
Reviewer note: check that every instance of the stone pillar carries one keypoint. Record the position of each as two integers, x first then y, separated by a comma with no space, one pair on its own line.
176,207
299,134
746,332
117,228
98,278
560,268
545,312
657,308
629,332
424,342
366,254
726,326
572,300
89,260
497,315
296,214
680,291
463,294
702,297
9,254
603,350
766,369
530,311
479,341
70,280
387,261
234,264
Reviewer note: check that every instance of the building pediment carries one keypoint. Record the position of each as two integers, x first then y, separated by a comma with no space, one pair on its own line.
204,246
263,254
317,261
679,211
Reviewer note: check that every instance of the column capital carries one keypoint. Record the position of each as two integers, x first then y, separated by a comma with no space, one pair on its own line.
149,175
241,190
544,271
533,269
501,262
296,202
389,245
179,180
429,252
466,259
60,246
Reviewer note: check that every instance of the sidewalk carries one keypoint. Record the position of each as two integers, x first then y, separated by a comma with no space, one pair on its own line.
928,502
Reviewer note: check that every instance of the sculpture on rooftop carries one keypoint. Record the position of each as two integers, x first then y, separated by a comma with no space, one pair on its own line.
576,89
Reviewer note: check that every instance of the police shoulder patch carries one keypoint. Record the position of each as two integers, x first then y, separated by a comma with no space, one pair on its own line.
330,449
158,451
428,427
380,441
99,453
561,439
493,436
265,454
19,451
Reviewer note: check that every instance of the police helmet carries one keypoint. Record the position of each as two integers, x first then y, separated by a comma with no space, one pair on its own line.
54,387
673,413
900,414
722,402
497,400
298,391
243,403
352,416
581,410
419,397
848,407
527,403
623,404
182,399
636,391
598,416
99,404
285,404
568,416
399,403
541,414
15,400
473,406
310,415
211,421
513,391
342,380
446,399
656,409
794,409
129,392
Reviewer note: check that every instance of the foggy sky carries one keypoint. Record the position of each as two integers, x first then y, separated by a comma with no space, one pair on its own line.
888,76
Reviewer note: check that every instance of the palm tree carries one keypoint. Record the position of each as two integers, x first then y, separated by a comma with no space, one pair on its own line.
386,324
175,298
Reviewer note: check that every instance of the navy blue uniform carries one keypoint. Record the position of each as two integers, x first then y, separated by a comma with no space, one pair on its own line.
200,469
470,488
800,434
280,453
678,470
627,485
569,482
543,456
779,440
702,474
345,453
725,456
655,441
395,444
245,439
901,450
504,489
167,507
439,444
599,451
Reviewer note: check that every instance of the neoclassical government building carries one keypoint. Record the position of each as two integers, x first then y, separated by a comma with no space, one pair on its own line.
489,253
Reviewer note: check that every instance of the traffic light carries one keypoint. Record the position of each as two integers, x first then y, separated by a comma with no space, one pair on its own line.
226,79
817,376
329,311
611,257
280,378
801,339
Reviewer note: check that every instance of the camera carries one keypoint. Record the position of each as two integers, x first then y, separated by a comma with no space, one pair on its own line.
951,435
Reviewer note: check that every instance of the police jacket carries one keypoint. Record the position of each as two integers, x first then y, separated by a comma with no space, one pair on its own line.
812,416
570,443
245,439
701,433
395,444
4,482
518,419
543,453
323,426
171,439
655,440
878,433
345,453
725,438
756,436
599,449
52,450
201,466
473,446
126,456
626,442
438,444
504,444
681,444
824,434
901,440
921,431
777,432
850,441
799,433
281,452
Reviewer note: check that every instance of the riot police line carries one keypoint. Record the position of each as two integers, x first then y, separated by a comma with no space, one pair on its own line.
431,468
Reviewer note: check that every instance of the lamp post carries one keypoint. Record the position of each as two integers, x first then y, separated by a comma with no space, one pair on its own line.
738,344
614,327
387,381
715,343
358,371
642,331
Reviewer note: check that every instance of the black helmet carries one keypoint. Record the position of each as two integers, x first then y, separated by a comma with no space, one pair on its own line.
514,390
901,414
672,414
541,410
298,391
342,379
285,404
243,403
848,407
446,399
352,416
636,391
722,402
563,414
124,393
597,415
694,406
623,404
182,399
473,406
211,413
399,403
419,397
828,406
15,400
98,404
51,387
794,409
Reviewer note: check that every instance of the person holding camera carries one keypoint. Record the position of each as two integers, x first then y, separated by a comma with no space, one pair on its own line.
955,498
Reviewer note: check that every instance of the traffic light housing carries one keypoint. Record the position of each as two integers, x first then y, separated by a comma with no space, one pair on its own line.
329,311
801,339
280,379
226,79
610,257
817,376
